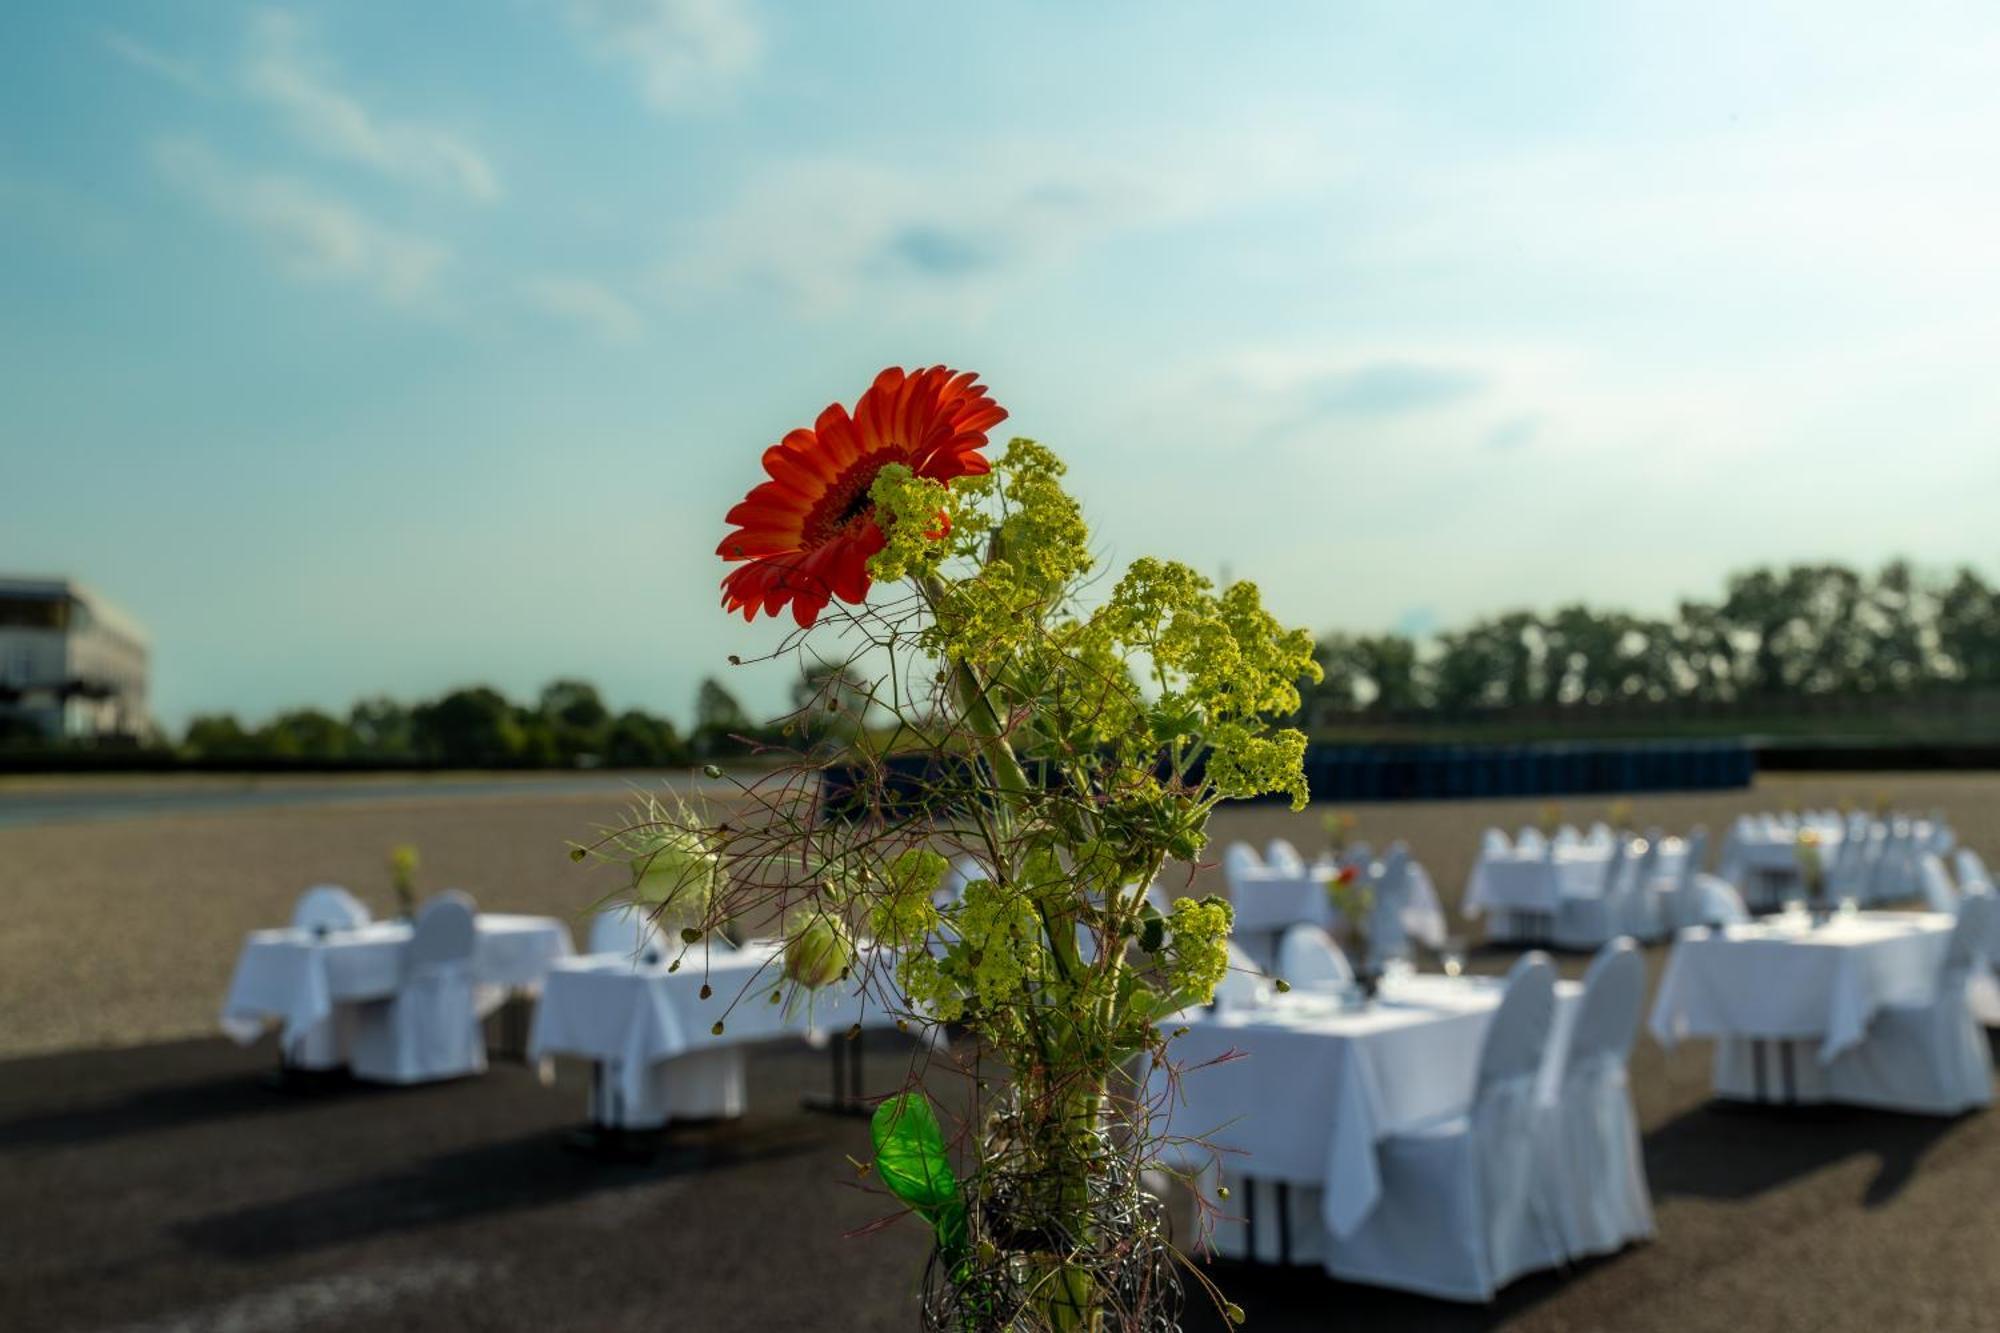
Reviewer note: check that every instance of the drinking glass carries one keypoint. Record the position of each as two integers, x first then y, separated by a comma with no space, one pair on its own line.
1451,955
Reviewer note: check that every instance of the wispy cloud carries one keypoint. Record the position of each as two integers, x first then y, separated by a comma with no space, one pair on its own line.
314,236
282,72
822,231
681,51
183,74
586,302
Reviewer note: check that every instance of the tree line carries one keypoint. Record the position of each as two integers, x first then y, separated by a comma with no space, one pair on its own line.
568,725
1775,633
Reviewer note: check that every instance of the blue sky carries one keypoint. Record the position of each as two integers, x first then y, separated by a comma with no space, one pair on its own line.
384,347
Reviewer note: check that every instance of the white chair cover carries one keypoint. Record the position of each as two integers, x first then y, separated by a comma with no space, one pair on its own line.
1531,841
1971,868
1283,858
1591,922
1595,1169
1718,902
1940,894
1309,959
1929,1059
329,907
1459,1215
429,1029
325,909
1244,985
1388,918
1494,842
1680,898
629,932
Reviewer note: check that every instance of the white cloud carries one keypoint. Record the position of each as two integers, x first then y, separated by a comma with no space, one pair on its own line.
584,302
682,51
821,232
315,236
282,73
183,74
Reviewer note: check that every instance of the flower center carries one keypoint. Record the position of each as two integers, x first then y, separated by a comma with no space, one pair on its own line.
845,503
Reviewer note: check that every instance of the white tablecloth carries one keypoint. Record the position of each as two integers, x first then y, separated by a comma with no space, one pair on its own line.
1535,882
632,1016
296,978
1271,903
1784,979
1322,1086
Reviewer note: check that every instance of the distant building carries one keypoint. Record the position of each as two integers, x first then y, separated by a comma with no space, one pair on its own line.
71,663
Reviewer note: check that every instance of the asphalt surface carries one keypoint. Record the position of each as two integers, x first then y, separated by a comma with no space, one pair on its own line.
168,1188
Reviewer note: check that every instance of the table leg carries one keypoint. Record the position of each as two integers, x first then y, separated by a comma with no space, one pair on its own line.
1757,1068
1791,1084
1250,1254
1284,1223
845,1098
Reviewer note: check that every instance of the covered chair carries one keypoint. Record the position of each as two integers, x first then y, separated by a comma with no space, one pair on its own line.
1596,1172
1244,985
328,907
1309,959
1718,902
1281,858
1940,894
324,909
1971,868
1589,922
630,933
1930,1059
704,1085
429,1029
1460,1214
1680,900
1388,919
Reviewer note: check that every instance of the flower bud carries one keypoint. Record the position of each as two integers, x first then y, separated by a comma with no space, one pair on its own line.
817,953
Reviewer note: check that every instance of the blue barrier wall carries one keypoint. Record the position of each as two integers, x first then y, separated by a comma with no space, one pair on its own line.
1354,773
1349,773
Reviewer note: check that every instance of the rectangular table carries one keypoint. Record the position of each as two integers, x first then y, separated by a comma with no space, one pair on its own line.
1323,1085
631,1016
1785,979
297,977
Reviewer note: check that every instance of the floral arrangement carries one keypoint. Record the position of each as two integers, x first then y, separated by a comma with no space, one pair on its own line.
1340,827
1069,737
1812,866
1620,815
1549,820
1353,899
403,878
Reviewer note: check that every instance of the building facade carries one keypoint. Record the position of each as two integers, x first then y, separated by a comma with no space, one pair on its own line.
72,665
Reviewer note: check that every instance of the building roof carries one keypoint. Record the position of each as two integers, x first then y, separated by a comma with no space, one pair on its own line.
105,612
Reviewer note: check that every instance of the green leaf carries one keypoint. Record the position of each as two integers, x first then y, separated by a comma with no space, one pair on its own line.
911,1158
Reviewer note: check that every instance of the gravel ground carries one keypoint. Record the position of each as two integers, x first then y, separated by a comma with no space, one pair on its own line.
150,1181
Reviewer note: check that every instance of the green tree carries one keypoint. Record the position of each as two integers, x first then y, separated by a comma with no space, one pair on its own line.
575,719
379,728
1968,629
473,728
303,733
718,719
217,736
636,739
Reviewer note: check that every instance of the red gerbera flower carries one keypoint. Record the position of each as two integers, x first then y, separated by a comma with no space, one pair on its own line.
809,530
